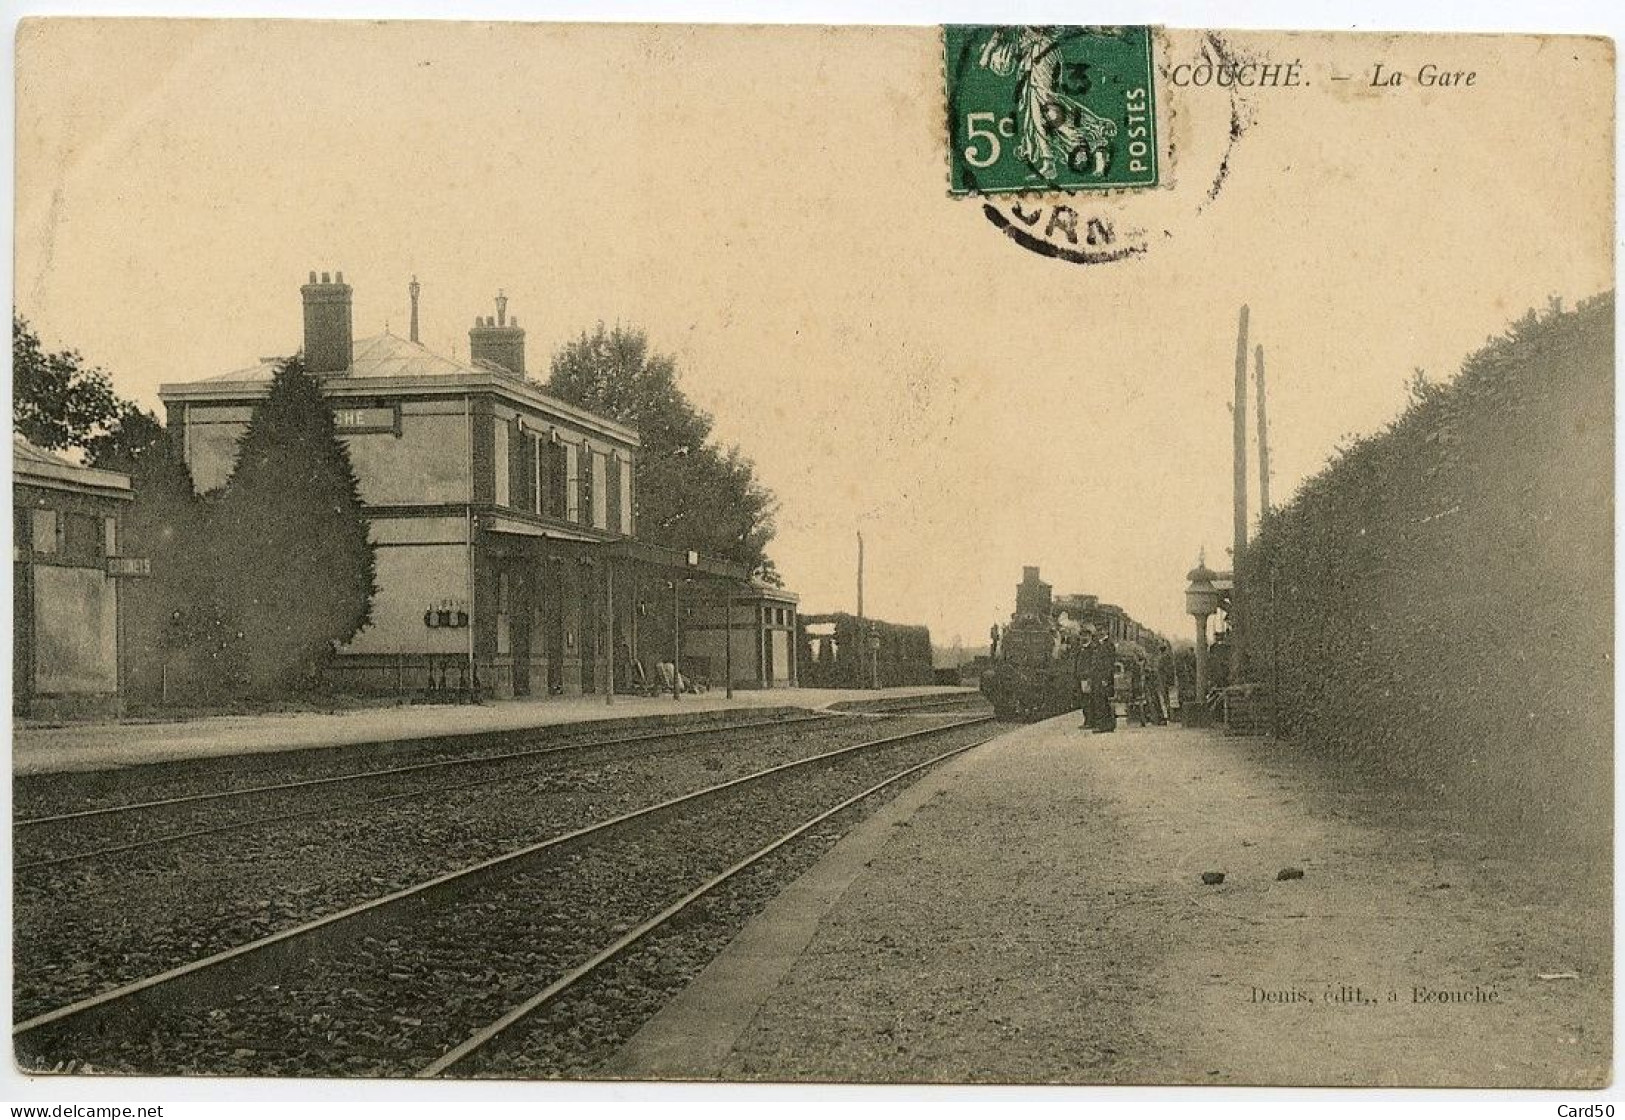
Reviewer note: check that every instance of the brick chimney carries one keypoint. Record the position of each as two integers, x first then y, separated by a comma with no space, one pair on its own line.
499,341
329,332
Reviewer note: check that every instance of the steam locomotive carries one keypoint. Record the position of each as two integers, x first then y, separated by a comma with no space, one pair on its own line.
1034,672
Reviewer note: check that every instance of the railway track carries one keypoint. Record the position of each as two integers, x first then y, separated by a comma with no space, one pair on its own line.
942,702
86,926
483,1050
467,948
30,834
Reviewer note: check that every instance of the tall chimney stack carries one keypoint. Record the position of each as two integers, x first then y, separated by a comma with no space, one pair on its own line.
413,288
498,341
329,331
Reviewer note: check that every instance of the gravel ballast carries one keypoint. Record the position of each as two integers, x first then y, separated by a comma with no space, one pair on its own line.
83,928
387,1005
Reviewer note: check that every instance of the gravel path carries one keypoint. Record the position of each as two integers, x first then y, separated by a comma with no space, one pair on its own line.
1043,920
387,1005
87,927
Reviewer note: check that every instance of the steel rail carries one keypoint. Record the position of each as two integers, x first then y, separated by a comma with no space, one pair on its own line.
370,802
929,703
496,1029
903,704
361,775
213,974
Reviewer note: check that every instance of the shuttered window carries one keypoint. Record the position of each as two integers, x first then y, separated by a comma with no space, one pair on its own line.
538,474
519,466
572,470
612,493
628,493
600,490
499,459
584,474
558,480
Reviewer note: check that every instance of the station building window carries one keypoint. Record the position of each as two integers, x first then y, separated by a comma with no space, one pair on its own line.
538,476
572,486
625,521
504,616
82,538
584,473
613,502
46,533
552,479
600,490
499,456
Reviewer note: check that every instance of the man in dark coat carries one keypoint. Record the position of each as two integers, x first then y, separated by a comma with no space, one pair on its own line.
1082,670
1103,665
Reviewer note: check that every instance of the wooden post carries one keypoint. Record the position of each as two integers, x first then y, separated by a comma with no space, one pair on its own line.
1199,708
473,523
676,638
728,641
1237,595
609,601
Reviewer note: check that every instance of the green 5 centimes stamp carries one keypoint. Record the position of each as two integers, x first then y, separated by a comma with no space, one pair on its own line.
1050,108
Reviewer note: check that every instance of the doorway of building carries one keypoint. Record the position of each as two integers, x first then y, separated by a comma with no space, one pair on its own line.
520,634
767,657
589,628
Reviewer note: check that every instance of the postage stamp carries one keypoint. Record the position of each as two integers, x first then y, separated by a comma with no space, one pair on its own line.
1049,108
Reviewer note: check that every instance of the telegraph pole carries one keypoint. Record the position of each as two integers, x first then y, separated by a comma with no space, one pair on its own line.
1263,439
860,577
1237,594
863,636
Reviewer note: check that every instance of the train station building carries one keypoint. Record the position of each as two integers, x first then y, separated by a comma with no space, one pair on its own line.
504,522
65,568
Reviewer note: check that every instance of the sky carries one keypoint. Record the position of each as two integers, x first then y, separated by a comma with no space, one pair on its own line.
770,205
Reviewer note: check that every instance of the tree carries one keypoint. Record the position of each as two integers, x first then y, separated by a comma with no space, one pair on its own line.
179,639
690,493
131,436
293,553
58,400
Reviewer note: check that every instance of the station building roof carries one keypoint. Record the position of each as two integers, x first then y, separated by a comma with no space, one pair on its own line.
35,466
383,364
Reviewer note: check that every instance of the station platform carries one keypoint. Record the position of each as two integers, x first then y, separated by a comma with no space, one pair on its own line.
101,746
1035,913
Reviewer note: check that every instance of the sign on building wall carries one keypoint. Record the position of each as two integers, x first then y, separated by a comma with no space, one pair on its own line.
357,421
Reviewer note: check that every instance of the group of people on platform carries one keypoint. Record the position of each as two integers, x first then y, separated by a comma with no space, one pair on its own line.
1142,679
1105,672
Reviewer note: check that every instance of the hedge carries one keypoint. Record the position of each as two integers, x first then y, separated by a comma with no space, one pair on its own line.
904,656
1442,609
